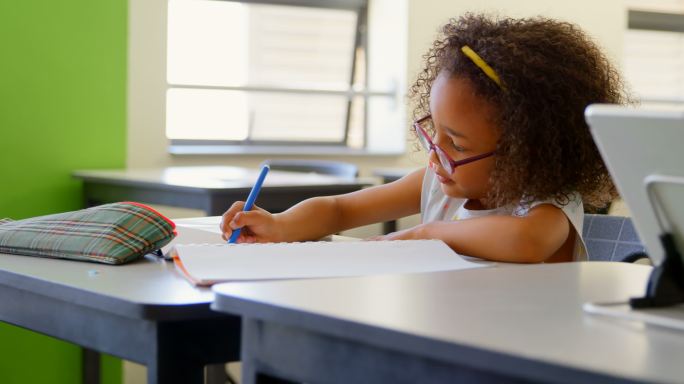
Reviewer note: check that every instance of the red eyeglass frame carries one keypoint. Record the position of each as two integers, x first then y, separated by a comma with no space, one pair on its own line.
447,162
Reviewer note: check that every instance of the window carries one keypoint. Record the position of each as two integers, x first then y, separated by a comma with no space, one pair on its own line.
654,50
252,76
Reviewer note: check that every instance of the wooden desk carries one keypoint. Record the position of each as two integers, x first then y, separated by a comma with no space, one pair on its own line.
211,189
144,312
500,324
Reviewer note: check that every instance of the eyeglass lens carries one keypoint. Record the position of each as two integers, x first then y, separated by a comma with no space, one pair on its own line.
444,160
426,142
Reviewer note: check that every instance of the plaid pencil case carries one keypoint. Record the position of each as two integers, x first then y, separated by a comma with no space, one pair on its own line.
112,234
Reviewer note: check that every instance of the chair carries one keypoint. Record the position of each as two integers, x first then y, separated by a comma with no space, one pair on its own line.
611,238
325,167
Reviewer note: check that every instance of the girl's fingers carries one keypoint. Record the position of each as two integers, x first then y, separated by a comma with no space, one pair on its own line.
245,219
228,217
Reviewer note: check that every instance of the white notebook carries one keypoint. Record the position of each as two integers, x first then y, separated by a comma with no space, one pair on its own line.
207,264
190,233
197,234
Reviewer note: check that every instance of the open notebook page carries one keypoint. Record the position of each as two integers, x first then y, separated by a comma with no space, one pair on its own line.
206,264
193,234
206,231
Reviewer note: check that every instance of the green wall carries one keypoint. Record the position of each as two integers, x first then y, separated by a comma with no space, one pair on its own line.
62,107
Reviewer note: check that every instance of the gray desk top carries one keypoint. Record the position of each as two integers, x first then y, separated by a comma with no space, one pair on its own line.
148,288
521,319
212,178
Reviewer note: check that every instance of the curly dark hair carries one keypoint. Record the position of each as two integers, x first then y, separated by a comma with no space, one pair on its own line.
550,71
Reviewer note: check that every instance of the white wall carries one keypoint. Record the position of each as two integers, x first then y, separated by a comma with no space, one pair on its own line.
604,20
147,143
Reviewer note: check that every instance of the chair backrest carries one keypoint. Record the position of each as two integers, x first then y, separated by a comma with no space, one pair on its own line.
610,238
325,167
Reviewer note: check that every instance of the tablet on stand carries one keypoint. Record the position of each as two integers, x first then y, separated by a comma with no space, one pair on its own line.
642,149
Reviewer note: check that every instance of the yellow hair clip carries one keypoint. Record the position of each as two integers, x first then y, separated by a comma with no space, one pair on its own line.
489,71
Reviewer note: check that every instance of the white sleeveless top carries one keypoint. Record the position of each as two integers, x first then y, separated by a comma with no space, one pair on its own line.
436,206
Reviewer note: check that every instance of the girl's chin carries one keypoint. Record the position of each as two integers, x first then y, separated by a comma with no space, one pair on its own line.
450,189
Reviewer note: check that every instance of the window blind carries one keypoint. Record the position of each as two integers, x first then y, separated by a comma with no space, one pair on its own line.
264,73
654,50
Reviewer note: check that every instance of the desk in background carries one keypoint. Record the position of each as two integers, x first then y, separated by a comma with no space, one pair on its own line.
144,312
499,324
211,189
388,175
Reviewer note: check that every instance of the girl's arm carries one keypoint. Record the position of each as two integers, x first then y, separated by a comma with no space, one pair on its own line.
529,239
320,216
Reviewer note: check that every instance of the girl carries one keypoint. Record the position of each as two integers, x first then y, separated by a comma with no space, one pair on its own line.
511,160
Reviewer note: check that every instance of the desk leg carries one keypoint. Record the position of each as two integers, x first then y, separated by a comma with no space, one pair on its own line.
91,366
174,371
185,348
215,373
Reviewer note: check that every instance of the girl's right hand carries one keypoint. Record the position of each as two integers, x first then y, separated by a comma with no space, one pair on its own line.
258,225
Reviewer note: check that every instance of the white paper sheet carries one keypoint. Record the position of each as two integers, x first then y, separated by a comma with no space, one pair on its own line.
197,234
211,263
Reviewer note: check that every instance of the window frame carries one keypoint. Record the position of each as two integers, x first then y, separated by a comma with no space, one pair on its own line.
655,21
192,146
658,21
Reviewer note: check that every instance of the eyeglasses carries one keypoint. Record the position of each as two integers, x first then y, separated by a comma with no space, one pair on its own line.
447,162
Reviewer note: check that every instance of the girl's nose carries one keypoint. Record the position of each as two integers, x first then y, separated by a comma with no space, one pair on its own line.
433,159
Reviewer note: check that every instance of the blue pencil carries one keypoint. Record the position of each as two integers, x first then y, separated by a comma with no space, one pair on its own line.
250,200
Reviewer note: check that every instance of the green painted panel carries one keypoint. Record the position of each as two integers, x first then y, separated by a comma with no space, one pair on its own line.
28,357
62,99
111,370
35,358
62,107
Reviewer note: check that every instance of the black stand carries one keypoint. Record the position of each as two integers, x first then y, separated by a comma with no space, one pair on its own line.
666,283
